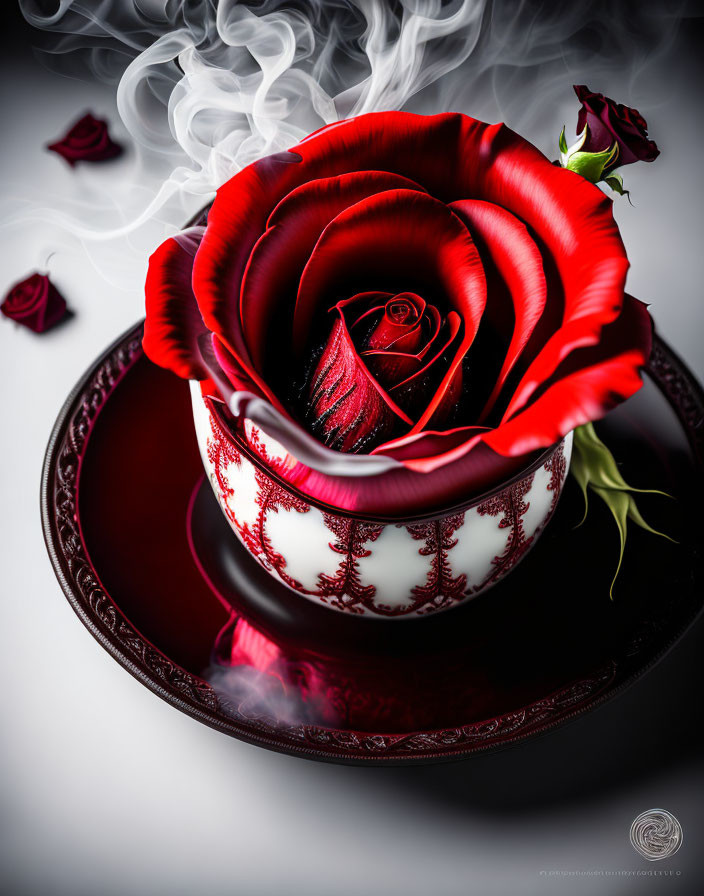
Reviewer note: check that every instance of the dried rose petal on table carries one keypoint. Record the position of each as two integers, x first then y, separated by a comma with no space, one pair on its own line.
35,303
87,141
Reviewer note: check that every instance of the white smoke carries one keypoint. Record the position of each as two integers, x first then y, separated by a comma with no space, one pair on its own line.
206,87
276,698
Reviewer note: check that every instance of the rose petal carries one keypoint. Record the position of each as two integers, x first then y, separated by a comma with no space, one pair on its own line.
579,398
631,330
447,392
401,336
573,218
454,157
608,122
348,407
411,489
403,339
237,375
599,136
173,323
400,324
363,304
236,219
429,450
572,336
333,194
390,368
587,385
399,233
279,256
592,265
398,362
373,483
519,264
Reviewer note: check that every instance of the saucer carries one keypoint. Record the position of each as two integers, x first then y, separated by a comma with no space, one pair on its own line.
151,567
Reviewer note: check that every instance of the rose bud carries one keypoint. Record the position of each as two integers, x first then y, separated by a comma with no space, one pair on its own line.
378,368
609,122
35,303
87,141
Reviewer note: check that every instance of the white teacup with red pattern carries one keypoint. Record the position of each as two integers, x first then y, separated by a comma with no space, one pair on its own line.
391,567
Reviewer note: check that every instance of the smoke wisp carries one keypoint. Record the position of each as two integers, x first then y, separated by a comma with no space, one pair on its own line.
206,87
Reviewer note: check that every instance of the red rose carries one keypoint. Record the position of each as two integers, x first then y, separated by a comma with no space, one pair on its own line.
378,367
87,141
515,269
610,122
35,303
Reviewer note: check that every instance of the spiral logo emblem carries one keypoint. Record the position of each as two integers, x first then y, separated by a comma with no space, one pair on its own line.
656,834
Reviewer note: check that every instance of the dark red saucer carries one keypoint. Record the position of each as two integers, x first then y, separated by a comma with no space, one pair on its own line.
149,564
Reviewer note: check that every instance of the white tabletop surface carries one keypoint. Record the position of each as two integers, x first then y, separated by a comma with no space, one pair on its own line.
106,789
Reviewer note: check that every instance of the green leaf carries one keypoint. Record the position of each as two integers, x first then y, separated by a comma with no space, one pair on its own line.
561,142
595,469
591,164
614,180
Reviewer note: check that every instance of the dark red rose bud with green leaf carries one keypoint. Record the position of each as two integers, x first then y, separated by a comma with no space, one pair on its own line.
609,136
35,303
609,122
87,140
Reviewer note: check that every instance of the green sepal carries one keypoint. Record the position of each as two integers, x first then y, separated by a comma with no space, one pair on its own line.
597,464
591,164
614,180
595,469
623,507
565,150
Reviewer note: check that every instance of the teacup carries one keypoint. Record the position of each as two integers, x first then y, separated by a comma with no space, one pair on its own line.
395,567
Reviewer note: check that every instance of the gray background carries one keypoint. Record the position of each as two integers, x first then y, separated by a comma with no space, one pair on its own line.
105,789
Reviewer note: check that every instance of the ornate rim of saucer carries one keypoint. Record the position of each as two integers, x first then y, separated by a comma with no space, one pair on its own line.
82,585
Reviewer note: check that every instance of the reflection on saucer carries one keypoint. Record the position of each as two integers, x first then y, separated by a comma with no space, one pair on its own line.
256,676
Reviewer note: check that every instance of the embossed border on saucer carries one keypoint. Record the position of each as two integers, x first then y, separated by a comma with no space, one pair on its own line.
194,696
